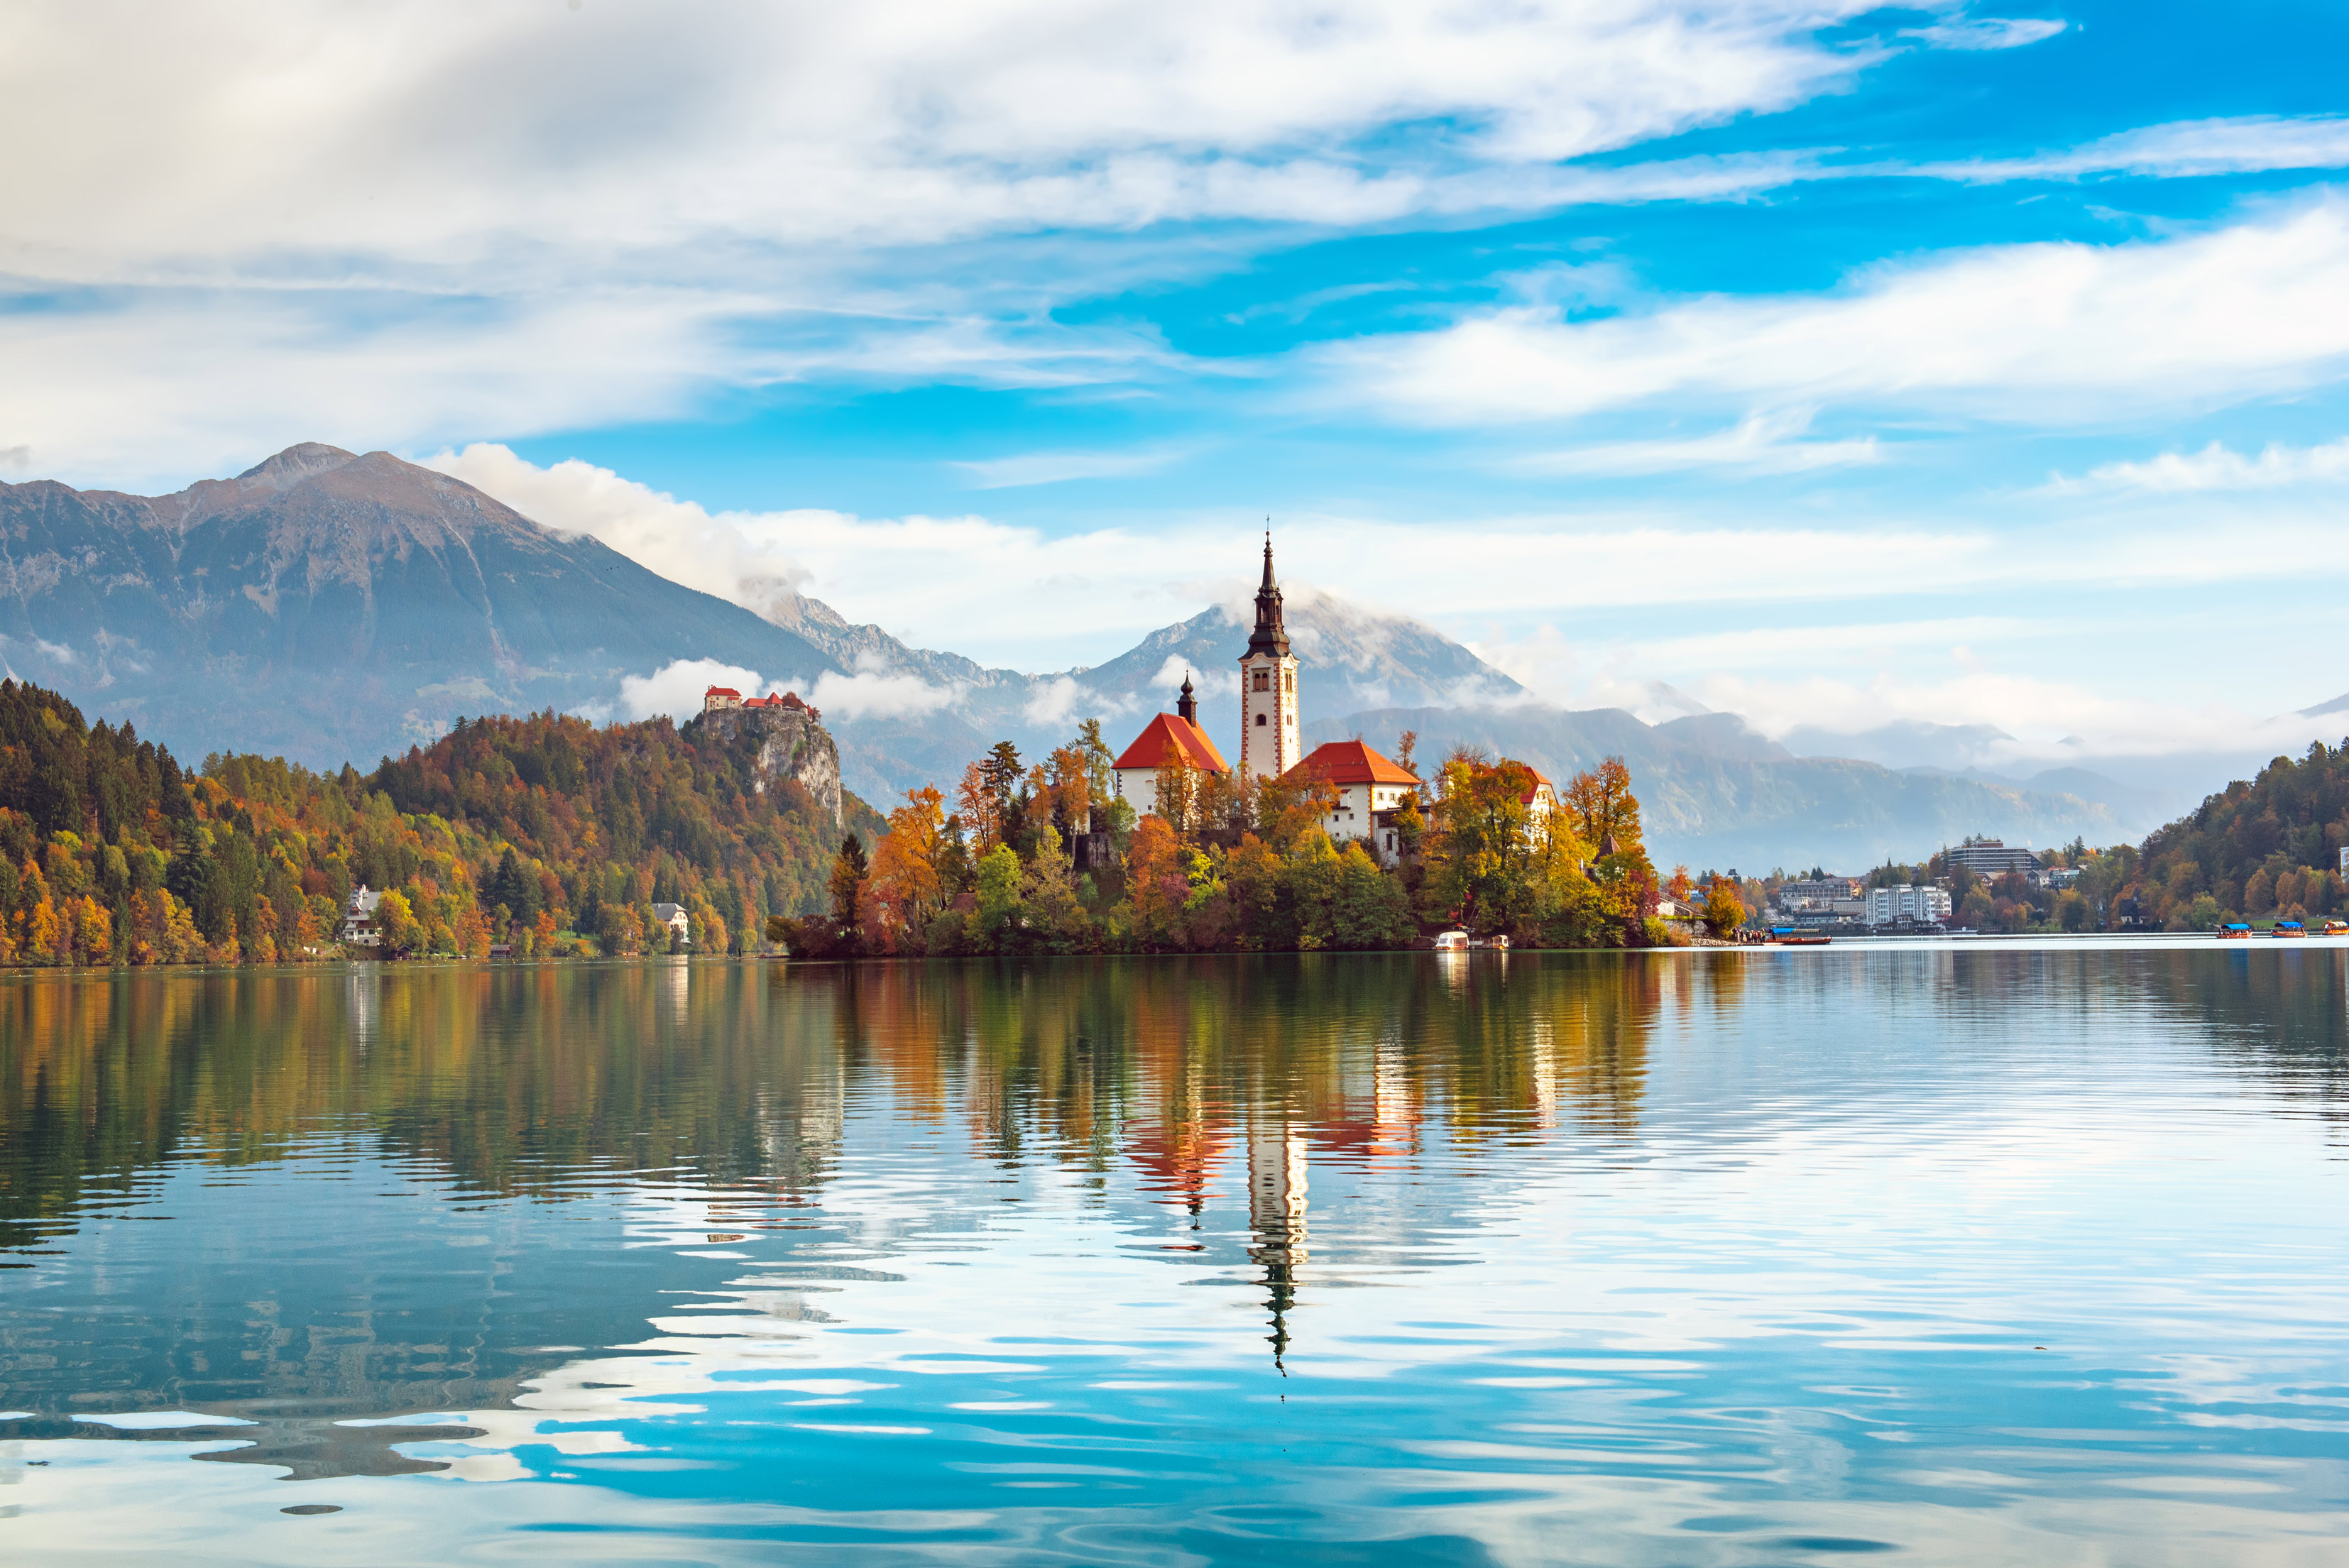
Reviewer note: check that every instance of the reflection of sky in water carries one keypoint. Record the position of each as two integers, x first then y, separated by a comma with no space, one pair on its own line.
2028,1257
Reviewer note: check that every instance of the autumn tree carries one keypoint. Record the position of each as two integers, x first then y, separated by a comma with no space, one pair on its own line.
1725,911
905,888
1606,813
1177,791
848,873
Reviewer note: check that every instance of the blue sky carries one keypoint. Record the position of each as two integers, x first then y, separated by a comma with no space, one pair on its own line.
1835,366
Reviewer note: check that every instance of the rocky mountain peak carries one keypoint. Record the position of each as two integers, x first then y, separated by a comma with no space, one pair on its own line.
296,463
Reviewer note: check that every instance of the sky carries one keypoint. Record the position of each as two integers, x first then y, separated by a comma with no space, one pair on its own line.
1834,365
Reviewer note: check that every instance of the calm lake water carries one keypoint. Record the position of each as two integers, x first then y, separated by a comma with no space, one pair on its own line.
1955,1254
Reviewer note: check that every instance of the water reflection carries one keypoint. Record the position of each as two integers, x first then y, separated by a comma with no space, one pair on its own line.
1741,1208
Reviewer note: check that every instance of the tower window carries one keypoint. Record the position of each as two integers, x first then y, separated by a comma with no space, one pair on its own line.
1259,721
1263,681
1291,679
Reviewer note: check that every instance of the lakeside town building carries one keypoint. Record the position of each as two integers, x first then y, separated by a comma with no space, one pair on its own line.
1925,905
358,928
1992,858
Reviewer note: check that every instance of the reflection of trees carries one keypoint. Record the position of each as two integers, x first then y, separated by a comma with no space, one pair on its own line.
2277,1016
1206,1077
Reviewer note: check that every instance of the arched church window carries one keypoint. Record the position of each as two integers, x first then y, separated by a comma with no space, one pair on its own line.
1259,721
1291,678
1263,682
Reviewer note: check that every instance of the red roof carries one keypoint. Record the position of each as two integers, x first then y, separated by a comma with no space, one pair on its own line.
1540,779
1172,732
721,691
1351,762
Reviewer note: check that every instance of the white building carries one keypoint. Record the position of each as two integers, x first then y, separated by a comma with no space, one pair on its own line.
1367,786
1169,735
358,927
1908,906
673,916
1268,744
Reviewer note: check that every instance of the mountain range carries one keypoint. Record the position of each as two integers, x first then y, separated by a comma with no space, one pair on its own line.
330,607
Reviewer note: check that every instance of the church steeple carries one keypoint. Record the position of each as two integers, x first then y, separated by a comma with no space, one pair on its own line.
1269,637
1186,705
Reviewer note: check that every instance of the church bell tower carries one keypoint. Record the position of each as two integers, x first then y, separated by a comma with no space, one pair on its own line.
1268,747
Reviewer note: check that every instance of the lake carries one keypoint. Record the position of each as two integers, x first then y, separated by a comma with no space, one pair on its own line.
1956,1253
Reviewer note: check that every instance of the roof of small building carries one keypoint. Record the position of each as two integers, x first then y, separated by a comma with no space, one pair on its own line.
1541,783
721,691
1170,731
1351,762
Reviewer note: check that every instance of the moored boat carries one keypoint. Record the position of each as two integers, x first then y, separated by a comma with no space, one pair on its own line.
2235,929
2288,928
1795,936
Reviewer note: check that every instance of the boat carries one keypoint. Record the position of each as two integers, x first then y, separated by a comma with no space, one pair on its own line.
2288,928
2234,929
1795,936
2336,928
1452,941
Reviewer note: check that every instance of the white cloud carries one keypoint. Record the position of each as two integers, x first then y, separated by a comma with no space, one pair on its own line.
875,691
1761,443
2237,145
1056,702
436,135
2057,334
1985,32
1086,596
744,559
675,689
519,220
2215,468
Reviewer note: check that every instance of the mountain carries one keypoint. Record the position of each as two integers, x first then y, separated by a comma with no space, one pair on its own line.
1714,792
330,607
1357,658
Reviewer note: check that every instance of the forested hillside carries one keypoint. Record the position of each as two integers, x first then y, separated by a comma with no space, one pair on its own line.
545,830
2268,847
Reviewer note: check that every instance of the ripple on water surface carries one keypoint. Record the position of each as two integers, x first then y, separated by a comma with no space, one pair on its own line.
1966,1254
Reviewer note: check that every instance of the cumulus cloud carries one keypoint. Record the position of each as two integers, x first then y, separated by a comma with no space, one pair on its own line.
872,691
675,689
2215,468
2053,333
736,557
1056,702
875,691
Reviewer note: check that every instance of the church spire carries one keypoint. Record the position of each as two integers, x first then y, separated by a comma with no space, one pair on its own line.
1186,707
1269,637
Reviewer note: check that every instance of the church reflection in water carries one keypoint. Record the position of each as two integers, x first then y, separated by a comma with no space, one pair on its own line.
1174,1087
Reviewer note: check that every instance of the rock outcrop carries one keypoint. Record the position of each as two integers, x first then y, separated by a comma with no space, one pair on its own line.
785,743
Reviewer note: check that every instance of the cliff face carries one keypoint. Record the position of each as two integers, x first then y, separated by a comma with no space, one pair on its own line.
788,743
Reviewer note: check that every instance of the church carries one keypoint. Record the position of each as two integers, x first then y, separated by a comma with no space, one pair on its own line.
1370,786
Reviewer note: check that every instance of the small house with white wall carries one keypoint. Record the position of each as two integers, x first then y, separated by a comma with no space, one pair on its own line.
1369,786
